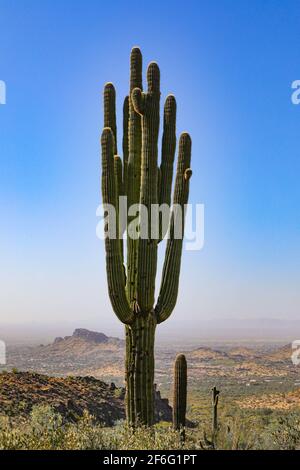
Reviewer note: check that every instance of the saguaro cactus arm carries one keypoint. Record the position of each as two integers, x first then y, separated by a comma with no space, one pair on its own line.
118,169
120,224
138,100
125,143
167,155
171,270
147,104
114,266
110,111
133,172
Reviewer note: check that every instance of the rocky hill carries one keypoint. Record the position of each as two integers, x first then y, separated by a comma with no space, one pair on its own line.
83,353
282,354
70,396
272,401
86,336
243,353
207,354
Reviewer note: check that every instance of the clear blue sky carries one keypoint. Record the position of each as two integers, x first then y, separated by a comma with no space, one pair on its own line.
230,64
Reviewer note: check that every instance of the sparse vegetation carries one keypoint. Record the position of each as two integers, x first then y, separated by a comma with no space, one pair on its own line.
47,429
254,411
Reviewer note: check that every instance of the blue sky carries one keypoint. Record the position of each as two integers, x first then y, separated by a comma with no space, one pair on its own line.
230,64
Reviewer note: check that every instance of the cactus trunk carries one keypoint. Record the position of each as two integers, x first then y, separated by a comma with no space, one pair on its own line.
140,370
180,394
145,183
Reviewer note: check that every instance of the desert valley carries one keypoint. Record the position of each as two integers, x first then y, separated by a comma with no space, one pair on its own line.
252,376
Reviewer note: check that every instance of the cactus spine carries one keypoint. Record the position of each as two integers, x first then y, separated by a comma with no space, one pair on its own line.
138,176
180,393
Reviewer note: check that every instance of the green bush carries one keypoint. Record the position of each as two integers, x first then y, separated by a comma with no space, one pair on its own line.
46,430
238,430
286,432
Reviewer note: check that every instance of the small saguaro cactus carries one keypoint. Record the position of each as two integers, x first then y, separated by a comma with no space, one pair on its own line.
215,399
180,393
212,444
144,182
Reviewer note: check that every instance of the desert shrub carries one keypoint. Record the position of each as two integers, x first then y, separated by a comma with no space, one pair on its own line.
158,438
285,432
44,419
236,435
45,429
238,430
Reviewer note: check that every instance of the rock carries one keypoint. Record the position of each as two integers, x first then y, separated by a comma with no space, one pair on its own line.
57,340
70,396
92,336
163,411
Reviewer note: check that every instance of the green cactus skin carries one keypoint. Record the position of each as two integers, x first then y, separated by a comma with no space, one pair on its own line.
171,269
138,176
168,153
110,111
125,143
114,266
147,105
180,393
133,171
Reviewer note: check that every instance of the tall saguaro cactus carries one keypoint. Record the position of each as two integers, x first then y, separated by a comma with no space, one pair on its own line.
138,176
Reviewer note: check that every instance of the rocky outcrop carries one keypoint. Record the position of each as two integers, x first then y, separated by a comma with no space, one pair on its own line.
70,396
90,337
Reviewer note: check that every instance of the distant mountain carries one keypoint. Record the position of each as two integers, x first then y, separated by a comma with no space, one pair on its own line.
282,354
207,354
70,396
83,340
241,352
83,353
237,353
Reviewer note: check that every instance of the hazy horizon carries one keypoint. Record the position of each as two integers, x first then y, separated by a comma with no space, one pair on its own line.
213,330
